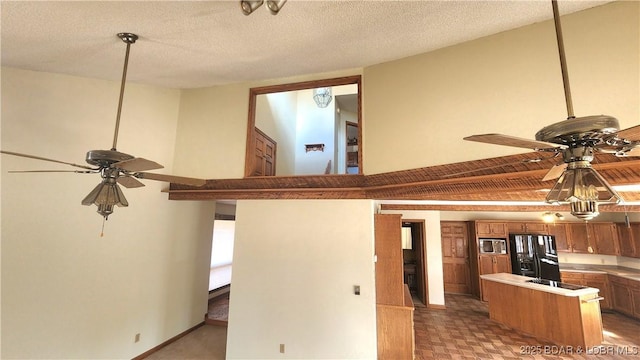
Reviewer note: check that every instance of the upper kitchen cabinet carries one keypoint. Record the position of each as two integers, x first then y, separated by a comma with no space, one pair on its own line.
579,238
538,228
606,238
591,238
491,229
559,231
629,239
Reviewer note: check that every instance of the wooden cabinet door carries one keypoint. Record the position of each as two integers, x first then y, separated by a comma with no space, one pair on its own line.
635,235
389,267
455,257
571,277
622,300
625,240
606,238
485,264
599,281
516,228
559,231
502,264
579,234
536,228
634,289
491,229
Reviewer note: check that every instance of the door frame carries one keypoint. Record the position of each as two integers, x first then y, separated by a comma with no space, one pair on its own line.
421,240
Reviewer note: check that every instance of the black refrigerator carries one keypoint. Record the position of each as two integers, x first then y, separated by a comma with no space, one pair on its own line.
534,256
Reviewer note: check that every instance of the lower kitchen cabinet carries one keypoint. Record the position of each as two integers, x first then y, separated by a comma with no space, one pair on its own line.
622,295
600,282
492,264
593,280
634,288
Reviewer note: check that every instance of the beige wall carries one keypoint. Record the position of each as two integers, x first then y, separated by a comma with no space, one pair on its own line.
66,291
294,268
418,109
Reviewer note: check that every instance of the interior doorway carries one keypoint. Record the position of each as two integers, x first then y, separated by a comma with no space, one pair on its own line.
414,257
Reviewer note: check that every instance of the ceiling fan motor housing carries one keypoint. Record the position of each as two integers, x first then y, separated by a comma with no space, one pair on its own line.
588,130
104,158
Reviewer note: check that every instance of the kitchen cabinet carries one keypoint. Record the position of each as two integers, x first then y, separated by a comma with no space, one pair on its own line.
605,237
629,239
622,300
634,289
516,227
492,264
491,229
592,280
625,240
579,238
394,307
600,282
559,231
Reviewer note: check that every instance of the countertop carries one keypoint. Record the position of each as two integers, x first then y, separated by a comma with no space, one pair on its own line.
522,281
625,272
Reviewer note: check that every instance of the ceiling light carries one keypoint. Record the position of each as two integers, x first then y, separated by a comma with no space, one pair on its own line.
548,217
248,6
106,195
275,6
322,96
583,189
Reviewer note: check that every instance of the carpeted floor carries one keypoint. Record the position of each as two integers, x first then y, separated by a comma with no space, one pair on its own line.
206,342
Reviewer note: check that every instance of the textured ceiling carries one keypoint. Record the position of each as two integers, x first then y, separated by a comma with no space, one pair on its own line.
185,44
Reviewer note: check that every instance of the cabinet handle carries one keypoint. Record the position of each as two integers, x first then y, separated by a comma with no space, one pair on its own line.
599,298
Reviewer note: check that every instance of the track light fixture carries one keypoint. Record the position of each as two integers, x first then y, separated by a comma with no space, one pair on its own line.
249,6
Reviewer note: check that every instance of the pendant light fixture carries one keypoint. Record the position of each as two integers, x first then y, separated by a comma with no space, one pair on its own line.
322,96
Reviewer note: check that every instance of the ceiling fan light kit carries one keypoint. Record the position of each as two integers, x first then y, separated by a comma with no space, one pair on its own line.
576,138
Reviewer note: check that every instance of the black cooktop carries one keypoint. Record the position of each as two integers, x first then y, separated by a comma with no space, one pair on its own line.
557,284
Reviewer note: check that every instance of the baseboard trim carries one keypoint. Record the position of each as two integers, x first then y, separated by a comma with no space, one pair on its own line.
156,348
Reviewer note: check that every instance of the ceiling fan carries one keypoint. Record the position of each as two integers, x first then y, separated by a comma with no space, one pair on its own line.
576,139
113,166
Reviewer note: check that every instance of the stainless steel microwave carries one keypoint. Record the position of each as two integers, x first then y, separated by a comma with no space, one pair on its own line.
493,246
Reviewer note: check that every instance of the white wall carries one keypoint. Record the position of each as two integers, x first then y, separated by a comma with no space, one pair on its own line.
276,115
66,291
315,125
433,250
295,264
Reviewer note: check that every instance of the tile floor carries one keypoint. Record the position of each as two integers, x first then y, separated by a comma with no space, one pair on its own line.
462,331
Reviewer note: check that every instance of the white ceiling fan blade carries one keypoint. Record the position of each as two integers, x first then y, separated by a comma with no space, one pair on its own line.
45,159
631,134
555,172
171,178
129,182
506,140
137,164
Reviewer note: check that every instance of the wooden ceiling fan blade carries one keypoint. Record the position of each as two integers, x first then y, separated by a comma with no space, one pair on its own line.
631,134
129,182
171,178
137,164
52,171
555,172
506,140
46,159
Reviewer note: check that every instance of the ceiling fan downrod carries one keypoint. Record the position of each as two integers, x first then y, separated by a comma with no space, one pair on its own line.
129,39
563,60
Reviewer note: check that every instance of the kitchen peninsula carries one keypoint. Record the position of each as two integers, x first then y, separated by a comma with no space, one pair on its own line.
566,317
